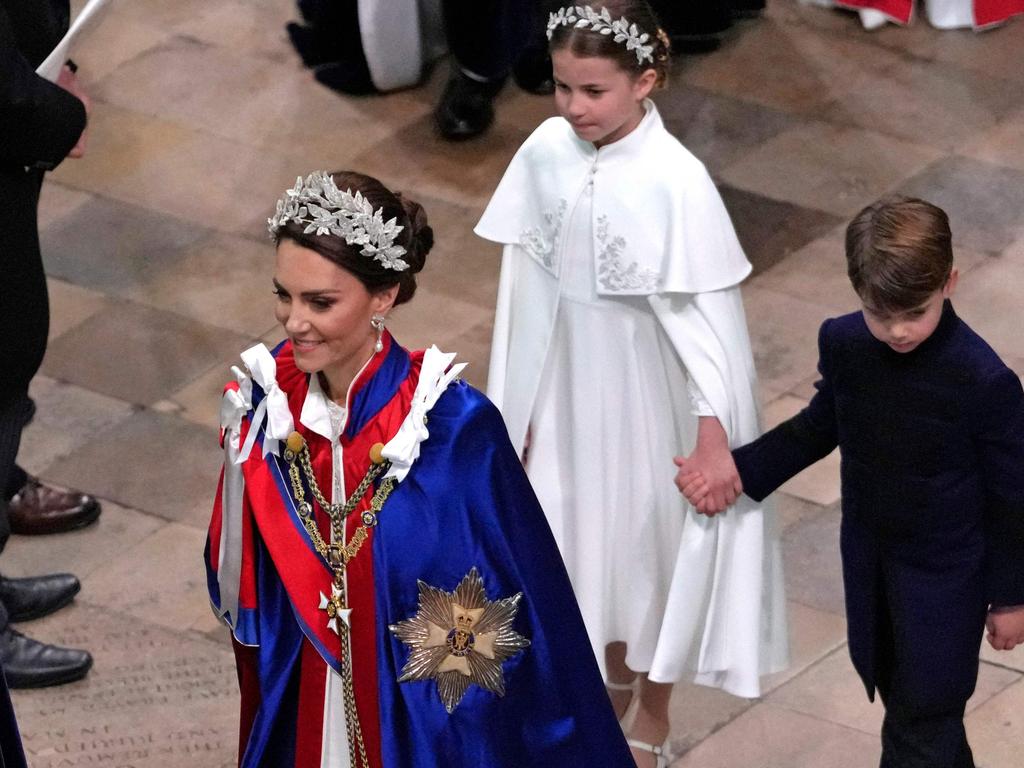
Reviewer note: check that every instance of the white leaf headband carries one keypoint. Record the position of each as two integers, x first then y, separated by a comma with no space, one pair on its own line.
584,16
326,210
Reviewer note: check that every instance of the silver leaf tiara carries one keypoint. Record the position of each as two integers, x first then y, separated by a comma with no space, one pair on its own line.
583,16
326,210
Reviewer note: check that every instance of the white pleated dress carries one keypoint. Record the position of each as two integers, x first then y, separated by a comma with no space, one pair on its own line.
611,412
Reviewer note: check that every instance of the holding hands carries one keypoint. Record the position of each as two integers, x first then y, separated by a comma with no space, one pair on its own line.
1005,627
708,477
68,80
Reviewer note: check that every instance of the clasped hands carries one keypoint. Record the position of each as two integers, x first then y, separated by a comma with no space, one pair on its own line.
708,477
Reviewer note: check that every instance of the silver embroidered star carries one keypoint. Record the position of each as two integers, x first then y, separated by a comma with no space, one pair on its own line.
336,609
460,638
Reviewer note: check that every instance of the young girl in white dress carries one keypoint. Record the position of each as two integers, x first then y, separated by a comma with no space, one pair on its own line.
619,342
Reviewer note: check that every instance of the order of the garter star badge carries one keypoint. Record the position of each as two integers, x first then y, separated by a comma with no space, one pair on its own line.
458,638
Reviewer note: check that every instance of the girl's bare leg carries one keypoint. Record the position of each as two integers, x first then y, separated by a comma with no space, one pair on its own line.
619,674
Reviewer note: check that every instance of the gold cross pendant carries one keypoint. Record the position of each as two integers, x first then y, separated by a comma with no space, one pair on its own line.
336,608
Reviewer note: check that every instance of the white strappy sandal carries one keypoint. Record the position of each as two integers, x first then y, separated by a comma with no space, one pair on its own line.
660,753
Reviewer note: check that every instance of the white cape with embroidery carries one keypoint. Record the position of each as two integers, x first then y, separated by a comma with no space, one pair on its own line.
664,253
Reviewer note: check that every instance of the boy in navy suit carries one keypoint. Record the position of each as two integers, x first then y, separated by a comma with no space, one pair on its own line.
930,426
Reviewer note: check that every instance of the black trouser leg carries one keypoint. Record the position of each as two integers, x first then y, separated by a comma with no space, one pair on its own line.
486,37
14,415
915,736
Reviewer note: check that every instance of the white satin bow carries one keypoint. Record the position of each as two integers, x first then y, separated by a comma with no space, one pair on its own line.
404,448
274,405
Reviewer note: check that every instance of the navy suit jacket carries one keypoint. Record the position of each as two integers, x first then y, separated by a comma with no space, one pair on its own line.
932,447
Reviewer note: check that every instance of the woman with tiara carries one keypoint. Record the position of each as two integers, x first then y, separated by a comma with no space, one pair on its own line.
394,593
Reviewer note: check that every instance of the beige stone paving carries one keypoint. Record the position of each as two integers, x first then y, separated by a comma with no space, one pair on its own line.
203,116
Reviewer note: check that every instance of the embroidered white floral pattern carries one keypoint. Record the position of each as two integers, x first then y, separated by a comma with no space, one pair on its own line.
611,272
540,242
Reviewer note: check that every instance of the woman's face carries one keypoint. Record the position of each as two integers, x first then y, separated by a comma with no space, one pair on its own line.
326,311
601,101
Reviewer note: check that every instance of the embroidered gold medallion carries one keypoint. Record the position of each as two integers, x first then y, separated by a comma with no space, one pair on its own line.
458,638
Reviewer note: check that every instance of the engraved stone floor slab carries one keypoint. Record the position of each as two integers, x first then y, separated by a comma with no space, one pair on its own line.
983,200
988,296
171,467
56,202
156,697
832,168
770,230
771,736
696,711
157,352
67,418
114,247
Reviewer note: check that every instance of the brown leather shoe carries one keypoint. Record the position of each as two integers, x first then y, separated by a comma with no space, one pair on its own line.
38,509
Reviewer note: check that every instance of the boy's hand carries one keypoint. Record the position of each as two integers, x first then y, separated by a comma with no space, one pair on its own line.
1005,627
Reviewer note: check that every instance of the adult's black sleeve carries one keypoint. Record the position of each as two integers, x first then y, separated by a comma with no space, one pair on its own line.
40,122
780,453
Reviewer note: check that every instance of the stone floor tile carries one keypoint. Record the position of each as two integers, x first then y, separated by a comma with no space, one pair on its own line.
57,201
718,129
748,67
67,417
996,729
463,173
249,99
987,296
768,736
158,352
1002,144
223,281
819,483
460,265
770,230
1010,659
831,168
114,247
696,711
81,552
199,400
154,462
237,193
155,697
244,27
813,568
435,318
784,336
116,41
71,304
167,578
813,635
983,200
793,510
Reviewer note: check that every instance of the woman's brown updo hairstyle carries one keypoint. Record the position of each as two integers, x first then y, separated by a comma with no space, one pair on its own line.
416,237
585,42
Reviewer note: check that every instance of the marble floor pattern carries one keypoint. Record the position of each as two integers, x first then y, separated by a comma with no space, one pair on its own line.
159,273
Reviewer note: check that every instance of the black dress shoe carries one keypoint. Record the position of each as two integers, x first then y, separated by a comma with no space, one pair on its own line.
37,596
27,663
467,107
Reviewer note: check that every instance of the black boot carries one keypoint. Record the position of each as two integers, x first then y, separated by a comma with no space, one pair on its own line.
37,596
28,663
351,77
467,106
312,45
